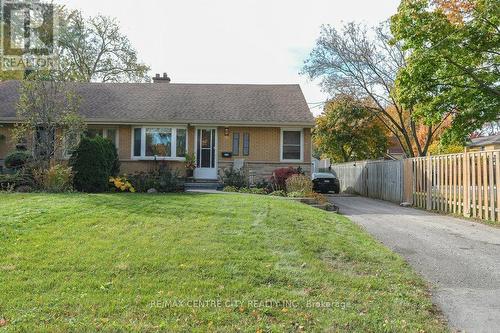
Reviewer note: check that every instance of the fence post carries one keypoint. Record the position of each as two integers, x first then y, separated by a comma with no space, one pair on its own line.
408,180
429,182
466,182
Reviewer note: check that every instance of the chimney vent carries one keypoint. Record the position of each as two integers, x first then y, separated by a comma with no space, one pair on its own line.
161,79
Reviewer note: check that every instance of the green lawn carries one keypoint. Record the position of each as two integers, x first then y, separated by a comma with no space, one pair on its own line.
198,263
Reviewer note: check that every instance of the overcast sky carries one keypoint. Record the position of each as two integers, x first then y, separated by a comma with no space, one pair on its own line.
232,41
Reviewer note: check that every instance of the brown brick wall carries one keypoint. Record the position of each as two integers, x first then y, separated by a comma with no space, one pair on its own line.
264,148
125,142
264,144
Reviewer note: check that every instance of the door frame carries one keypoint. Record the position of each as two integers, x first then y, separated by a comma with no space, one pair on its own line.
216,159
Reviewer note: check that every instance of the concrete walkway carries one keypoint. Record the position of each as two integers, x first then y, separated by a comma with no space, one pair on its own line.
461,259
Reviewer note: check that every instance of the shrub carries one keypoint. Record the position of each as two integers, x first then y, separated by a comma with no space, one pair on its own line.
94,161
233,177
256,190
296,194
23,177
122,184
163,180
320,198
299,183
264,184
278,193
252,190
279,177
9,182
57,178
230,189
17,159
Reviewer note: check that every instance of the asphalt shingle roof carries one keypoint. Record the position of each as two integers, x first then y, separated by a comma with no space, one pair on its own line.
485,140
178,102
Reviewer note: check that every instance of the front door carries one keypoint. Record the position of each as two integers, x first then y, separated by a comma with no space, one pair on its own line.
206,153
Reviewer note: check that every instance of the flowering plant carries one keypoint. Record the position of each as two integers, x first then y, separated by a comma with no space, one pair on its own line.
122,184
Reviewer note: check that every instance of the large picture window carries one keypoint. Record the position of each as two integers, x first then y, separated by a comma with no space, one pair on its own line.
291,145
159,142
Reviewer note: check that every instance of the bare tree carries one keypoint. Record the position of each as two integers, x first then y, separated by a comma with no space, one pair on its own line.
364,64
94,49
48,113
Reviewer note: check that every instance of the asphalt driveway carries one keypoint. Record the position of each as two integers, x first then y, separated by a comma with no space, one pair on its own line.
461,259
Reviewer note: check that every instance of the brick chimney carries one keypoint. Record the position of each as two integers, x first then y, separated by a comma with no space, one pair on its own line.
161,79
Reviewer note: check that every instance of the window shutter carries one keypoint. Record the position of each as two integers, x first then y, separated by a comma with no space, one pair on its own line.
246,144
236,144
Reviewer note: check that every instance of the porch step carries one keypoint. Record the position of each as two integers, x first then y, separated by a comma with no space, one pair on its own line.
204,185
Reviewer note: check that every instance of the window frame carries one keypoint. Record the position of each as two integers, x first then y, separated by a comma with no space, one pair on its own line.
105,133
173,144
117,135
301,130
67,156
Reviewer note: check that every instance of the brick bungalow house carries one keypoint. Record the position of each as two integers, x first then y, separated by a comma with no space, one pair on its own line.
259,127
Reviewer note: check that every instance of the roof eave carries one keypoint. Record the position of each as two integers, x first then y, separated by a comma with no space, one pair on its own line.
194,122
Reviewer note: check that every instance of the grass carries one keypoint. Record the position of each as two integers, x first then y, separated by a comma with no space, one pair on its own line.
198,263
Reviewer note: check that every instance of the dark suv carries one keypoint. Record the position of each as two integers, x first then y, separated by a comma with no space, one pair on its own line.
325,182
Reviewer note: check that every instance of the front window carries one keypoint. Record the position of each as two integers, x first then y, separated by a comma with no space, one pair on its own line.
181,142
70,142
291,145
159,142
44,142
108,133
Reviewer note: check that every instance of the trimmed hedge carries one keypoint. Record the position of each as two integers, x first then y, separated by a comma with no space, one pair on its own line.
93,162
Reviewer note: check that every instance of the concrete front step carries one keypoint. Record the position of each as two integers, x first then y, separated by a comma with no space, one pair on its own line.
203,186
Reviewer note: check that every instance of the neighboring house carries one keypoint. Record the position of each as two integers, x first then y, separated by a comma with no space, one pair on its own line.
262,127
395,151
491,142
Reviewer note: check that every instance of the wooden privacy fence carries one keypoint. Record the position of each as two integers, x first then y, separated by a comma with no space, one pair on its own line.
465,184
374,179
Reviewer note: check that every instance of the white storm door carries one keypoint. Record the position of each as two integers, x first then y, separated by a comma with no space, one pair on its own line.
206,153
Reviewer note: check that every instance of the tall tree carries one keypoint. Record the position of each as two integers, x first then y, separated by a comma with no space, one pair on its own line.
453,63
364,64
94,49
347,131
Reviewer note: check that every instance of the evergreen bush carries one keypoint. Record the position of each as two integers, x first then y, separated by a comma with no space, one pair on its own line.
93,162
